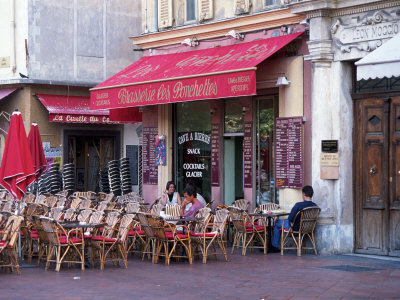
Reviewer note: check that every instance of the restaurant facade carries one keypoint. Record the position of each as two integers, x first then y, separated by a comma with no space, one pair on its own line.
224,110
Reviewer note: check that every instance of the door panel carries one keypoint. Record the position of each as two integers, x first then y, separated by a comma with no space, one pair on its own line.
377,176
394,176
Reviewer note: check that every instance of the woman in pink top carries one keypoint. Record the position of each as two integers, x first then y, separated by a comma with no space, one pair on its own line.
190,197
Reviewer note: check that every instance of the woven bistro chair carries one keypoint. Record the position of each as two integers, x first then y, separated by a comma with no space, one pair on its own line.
308,220
56,213
85,203
241,203
133,207
69,215
213,236
145,236
170,240
199,228
51,201
247,233
41,199
29,198
265,207
173,210
8,243
156,209
63,243
83,215
75,201
61,202
115,248
107,232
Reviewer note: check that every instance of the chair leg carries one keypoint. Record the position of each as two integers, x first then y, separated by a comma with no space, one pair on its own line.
58,262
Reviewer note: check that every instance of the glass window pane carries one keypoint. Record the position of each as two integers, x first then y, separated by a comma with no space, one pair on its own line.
193,141
233,119
190,10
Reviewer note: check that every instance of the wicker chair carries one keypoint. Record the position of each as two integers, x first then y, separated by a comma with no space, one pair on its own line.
145,236
265,207
69,214
156,209
115,248
51,201
56,213
85,203
9,238
308,220
61,243
84,215
75,202
173,210
29,198
215,236
241,203
170,239
246,231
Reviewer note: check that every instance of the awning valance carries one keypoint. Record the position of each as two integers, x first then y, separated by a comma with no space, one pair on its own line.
76,109
220,72
382,62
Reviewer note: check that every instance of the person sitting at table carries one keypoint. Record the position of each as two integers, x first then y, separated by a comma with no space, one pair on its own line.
198,196
170,196
307,193
190,198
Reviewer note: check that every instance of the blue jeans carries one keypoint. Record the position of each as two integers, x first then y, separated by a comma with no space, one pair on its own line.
276,239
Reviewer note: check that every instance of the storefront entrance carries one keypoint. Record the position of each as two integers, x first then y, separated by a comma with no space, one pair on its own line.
90,153
377,176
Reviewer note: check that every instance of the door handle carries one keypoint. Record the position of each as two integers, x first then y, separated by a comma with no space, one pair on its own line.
373,170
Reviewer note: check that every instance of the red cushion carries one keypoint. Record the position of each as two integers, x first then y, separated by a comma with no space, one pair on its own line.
34,235
63,240
170,235
101,238
3,243
208,234
136,232
258,228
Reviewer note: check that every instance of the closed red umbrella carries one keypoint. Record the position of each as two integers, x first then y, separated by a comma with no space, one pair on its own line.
36,147
16,171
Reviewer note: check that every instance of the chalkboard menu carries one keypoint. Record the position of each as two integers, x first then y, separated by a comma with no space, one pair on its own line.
288,152
215,153
132,154
248,154
150,170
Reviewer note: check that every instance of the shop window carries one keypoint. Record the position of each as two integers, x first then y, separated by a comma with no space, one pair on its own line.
193,145
190,10
265,170
233,118
272,2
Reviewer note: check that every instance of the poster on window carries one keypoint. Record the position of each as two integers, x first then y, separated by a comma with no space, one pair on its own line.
160,156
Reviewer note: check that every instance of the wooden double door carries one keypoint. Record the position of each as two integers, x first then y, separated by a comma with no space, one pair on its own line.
377,175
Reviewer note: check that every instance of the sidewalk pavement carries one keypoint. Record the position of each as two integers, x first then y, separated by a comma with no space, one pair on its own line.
254,276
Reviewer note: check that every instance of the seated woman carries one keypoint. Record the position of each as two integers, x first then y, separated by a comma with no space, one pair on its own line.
190,198
170,196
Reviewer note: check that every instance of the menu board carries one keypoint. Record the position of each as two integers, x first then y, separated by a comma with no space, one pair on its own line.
150,170
248,154
288,152
215,153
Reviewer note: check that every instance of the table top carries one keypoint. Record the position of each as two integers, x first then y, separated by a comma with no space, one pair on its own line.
83,225
181,219
271,215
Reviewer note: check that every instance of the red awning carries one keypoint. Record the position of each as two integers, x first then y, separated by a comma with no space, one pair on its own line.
76,109
5,92
220,72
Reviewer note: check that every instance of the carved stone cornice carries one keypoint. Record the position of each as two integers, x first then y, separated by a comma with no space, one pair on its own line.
320,51
364,8
254,22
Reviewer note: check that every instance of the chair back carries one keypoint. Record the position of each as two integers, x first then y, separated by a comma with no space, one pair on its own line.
238,218
84,215
56,213
85,203
210,204
31,209
51,230
308,219
156,209
29,198
132,207
219,221
124,226
69,214
51,201
102,205
157,225
75,202
266,206
173,210
241,203
41,199
145,225
61,201
8,206
111,221
11,230
203,216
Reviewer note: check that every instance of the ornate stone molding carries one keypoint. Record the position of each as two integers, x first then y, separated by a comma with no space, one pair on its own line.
365,32
320,51
364,8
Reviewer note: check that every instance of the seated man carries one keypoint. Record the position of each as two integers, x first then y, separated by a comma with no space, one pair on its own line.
190,198
308,192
